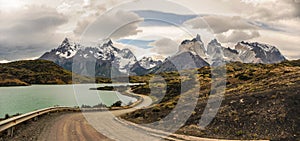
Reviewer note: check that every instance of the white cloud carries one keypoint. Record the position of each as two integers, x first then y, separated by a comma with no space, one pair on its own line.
137,51
165,46
7,5
236,36
114,25
32,30
273,10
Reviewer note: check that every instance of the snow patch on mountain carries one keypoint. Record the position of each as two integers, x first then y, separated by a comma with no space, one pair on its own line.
191,54
67,49
258,53
149,62
107,56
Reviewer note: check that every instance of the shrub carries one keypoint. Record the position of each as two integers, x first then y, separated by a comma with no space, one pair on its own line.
156,109
85,106
117,104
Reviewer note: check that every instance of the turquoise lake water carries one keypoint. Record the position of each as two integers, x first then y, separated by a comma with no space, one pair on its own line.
26,99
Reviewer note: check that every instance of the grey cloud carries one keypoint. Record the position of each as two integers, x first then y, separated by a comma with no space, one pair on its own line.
288,44
159,18
237,36
165,46
278,10
114,24
220,24
296,6
29,32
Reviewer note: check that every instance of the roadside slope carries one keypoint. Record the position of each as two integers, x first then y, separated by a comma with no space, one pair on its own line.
261,102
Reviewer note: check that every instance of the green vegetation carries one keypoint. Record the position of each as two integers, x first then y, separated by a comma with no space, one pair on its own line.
100,105
117,104
111,88
7,116
23,73
261,101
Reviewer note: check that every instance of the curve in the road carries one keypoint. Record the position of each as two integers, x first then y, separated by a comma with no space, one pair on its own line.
105,123
92,126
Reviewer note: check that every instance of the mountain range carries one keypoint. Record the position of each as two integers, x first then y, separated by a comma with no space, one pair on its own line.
106,60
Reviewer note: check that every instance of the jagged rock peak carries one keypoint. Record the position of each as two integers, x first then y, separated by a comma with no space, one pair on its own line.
106,42
66,40
265,47
66,43
258,53
214,42
196,39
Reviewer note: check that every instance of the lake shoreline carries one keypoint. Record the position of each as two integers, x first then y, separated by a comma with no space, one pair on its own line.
24,99
37,126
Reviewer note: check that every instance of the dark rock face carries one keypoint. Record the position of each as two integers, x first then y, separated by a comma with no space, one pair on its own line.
195,45
182,61
247,52
259,53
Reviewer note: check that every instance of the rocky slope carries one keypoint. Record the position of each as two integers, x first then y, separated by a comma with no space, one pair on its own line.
261,102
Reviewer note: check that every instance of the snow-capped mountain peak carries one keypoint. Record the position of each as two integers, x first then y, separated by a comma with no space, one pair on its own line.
105,42
265,47
258,53
67,49
104,54
194,46
191,54
149,62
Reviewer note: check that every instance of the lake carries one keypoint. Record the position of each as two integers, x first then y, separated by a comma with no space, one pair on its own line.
29,98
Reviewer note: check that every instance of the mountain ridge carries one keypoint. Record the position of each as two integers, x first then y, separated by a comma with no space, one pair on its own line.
110,61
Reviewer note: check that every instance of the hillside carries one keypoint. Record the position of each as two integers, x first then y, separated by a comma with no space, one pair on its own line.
23,73
261,102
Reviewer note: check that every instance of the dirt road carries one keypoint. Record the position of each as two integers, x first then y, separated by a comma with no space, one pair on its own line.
90,126
94,126
86,126
70,127
106,124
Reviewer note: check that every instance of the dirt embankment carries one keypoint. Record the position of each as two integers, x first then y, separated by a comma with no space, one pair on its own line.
261,102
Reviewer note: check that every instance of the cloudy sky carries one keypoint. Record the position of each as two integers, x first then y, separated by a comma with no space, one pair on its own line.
28,28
